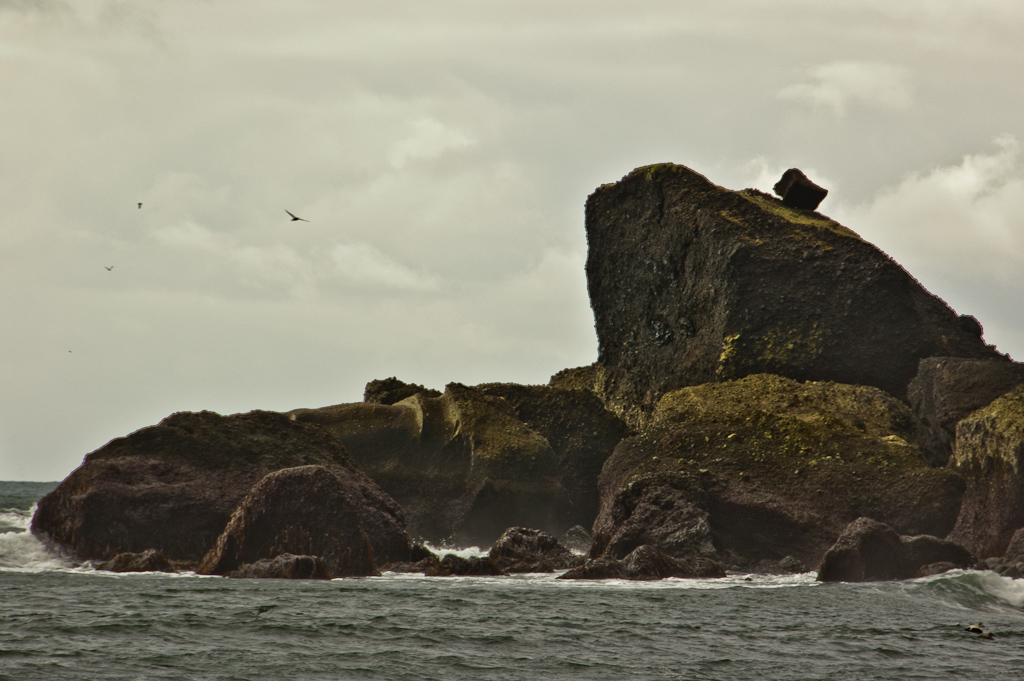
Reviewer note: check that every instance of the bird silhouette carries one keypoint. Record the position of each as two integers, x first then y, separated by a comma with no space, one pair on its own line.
140,204
109,269
295,217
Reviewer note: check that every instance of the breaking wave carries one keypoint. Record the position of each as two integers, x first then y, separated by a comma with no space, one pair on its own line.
19,548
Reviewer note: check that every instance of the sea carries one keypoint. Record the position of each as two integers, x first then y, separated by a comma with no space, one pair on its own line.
61,620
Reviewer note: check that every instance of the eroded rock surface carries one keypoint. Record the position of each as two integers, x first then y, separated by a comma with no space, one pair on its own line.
522,549
646,562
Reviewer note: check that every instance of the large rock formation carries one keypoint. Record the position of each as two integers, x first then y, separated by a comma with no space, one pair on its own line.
307,511
765,467
470,463
646,563
692,283
174,486
989,454
946,389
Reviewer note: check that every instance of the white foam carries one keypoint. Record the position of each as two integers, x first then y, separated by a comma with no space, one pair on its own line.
1010,591
465,552
19,548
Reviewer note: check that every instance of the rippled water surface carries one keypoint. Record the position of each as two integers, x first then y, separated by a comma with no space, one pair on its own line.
63,622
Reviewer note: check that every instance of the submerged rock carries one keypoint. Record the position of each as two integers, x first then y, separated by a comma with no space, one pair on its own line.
146,561
452,565
646,563
284,566
692,283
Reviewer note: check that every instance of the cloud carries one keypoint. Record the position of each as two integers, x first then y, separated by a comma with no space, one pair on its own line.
365,264
837,86
428,139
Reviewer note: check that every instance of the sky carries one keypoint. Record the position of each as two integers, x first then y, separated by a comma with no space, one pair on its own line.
442,154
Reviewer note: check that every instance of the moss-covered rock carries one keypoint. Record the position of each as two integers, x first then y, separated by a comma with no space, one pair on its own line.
989,454
765,467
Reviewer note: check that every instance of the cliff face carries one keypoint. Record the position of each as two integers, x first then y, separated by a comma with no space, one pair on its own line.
692,283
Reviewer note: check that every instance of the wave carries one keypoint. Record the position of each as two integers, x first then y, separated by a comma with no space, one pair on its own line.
973,589
20,549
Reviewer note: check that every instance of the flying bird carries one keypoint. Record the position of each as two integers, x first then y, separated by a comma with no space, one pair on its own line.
109,269
140,204
295,217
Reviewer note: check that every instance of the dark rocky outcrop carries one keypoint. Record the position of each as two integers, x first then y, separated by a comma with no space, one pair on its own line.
692,283
646,563
391,390
146,561
796,191
174,486
763,468
521,549
989,454
307,510
947,389
284,566
1015,549
470,463
870,551
452,565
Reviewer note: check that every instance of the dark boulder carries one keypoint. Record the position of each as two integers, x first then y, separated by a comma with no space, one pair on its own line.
174,486
866,551
647,563
796,191
765,467
284,566
692,283
146,561
989,454
307,510
391,390
947,389
870,551
452,565
520,549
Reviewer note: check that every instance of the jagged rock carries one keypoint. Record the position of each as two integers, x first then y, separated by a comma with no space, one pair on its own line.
307,510
173,486
870,551
576,539
284,566
692,283
866,551
468,464
521,549
1015,549
765,467
989,454
452,565
947,389
646,563
786,566
796,191
391,390
146,561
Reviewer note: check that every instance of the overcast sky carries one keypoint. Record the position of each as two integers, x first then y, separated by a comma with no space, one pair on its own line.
442,153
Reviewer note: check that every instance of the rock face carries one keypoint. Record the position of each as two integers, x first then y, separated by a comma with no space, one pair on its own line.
947,389
174,486
763,468
870,551
521,549
311,511
284,566
989,454
474,461
147,561
646,563
692,283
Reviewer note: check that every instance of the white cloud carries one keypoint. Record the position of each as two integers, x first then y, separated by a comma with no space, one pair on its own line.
428,139
365,264
837,86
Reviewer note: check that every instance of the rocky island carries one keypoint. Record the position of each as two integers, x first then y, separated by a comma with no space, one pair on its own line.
771,393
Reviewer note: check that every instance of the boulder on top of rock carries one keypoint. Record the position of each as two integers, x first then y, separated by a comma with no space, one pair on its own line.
989,454
173,486
284,566
692,283
306,510
796,191
145,561
947,389
521,549
391,390
866,551
646,563
764,467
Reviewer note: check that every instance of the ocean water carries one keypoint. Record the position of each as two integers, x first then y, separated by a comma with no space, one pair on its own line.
62,621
